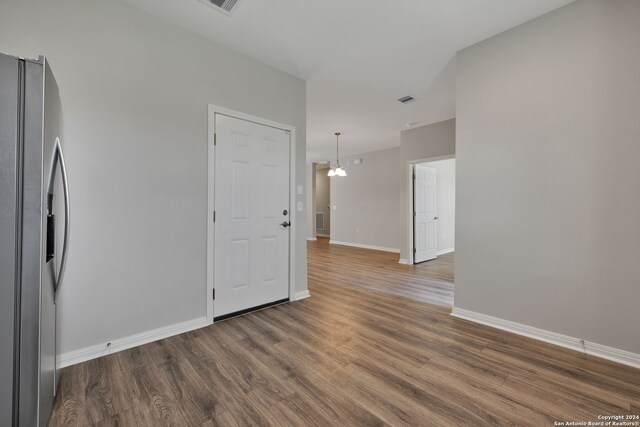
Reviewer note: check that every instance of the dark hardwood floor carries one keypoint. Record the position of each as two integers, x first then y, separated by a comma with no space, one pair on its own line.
365,349
430,281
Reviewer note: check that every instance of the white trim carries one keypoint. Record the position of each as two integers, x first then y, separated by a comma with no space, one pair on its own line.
445,251
322,235
311,239
410,195
359,245
302,295
210,210
95,351
403,261
591,348
293,229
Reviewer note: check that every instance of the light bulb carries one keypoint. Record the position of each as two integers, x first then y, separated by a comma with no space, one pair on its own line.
331,172
340,171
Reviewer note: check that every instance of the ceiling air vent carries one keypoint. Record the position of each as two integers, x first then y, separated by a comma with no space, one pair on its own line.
406,99
224,6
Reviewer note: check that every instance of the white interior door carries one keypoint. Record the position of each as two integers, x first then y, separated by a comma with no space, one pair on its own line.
251,266
425,219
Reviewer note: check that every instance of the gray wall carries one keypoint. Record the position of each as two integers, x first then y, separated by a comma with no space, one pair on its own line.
425,142
367,200
548,180
445,202
135,92
323,199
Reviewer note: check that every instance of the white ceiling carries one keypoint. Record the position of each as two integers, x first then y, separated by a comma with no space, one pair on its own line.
358,56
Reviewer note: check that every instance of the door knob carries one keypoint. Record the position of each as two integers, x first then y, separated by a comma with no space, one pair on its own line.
286,224
435,217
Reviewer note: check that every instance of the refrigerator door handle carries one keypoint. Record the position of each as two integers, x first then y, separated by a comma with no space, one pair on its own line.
58,157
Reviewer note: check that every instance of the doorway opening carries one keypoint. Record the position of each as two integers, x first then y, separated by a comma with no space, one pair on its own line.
322,195
432,210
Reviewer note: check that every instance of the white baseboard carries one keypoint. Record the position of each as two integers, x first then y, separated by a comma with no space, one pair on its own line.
93,352
358,245
445,251
322,235
594,349
311,239
302,295
403,261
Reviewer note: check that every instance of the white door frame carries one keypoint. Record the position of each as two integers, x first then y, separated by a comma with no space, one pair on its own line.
213,110
409,168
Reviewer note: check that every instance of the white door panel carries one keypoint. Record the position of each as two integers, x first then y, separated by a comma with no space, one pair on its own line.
425,214
251,266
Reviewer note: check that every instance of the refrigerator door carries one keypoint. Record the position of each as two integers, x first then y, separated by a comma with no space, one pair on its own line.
56,204
10,91
38,311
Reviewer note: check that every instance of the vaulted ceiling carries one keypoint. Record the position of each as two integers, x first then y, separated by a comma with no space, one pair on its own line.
358,56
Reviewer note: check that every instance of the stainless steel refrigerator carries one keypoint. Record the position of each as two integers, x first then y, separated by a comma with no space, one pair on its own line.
34,238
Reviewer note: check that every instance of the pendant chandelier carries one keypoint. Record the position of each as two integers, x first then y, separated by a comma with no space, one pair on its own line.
338,171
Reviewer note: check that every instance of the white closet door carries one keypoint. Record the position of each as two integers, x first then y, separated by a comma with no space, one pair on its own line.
425,219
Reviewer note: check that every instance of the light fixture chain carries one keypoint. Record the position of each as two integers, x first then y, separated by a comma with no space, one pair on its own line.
338,171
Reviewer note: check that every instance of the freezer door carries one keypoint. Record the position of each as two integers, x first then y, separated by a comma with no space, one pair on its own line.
10,91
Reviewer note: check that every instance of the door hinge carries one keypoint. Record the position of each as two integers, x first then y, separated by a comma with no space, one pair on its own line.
414,251
214,293
215,138
214,216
